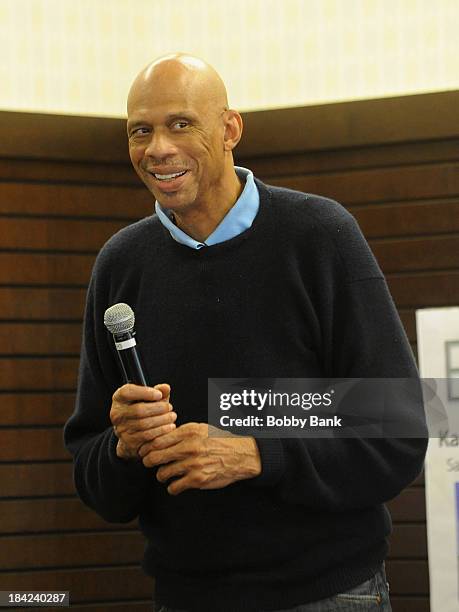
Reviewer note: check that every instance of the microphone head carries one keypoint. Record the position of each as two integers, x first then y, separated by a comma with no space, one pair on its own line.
119,318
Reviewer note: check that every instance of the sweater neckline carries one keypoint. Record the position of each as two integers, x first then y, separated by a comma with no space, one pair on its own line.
258,223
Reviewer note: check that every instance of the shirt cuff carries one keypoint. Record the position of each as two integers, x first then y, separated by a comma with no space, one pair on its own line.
272,462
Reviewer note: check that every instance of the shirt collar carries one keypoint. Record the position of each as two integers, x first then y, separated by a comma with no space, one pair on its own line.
239,218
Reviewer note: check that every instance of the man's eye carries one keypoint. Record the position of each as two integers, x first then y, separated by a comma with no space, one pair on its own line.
180,125
140,131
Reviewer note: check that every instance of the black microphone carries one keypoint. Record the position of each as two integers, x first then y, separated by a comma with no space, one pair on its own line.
119,319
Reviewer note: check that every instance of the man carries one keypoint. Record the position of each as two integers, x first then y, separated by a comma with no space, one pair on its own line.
235,278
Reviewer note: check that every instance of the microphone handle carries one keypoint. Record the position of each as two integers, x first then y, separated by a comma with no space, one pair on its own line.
131,365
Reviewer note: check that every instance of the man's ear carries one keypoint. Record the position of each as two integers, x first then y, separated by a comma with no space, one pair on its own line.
233,129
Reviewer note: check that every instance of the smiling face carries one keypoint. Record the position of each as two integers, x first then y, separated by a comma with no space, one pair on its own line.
181,134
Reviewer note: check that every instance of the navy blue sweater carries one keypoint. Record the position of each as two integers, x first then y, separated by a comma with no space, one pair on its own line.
299,294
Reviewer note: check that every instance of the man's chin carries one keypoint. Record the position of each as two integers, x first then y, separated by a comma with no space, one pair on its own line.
174,200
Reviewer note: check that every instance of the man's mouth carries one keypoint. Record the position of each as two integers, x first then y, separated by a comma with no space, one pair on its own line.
170,182
168,177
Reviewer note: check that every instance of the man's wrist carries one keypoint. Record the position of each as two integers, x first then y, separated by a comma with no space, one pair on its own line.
250,458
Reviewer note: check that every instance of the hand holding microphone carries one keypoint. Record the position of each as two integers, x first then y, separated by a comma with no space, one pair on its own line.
138,413
141,416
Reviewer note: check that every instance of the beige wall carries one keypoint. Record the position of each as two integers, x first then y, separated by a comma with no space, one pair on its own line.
79,56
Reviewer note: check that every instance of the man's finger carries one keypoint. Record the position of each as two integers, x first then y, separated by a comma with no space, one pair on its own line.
151,457
135,426
172,470
130,393
151,422
188,430
162,442
164,388
141,410
180,485
168,440
141,438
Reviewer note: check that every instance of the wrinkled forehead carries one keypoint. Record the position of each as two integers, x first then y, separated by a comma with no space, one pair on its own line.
168,90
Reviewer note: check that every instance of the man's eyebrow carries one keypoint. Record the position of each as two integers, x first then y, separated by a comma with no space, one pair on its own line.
181,115
185,114
134,123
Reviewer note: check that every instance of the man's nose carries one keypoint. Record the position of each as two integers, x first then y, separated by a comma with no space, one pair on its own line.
161,145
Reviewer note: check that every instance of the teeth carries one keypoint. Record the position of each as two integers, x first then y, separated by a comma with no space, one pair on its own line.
166,177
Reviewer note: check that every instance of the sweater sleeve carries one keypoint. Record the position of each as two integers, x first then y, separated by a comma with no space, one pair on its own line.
111,486
363,338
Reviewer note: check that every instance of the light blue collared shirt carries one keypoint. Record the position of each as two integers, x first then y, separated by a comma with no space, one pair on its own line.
239,218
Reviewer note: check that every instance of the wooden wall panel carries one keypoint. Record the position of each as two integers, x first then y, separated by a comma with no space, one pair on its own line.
380,184
29,479
408,577
41,303
357,124
409,506
409,541
393,163
59,374
408,219
41,171
40,338
69,550
81,201
36,408
38,269
32,444
56,234
328,159
50,515
417,254
410,604
423,290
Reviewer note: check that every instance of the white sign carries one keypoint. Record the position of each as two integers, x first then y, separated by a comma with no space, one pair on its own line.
438,351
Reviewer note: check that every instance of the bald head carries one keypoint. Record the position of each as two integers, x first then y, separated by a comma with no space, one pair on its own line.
197,80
